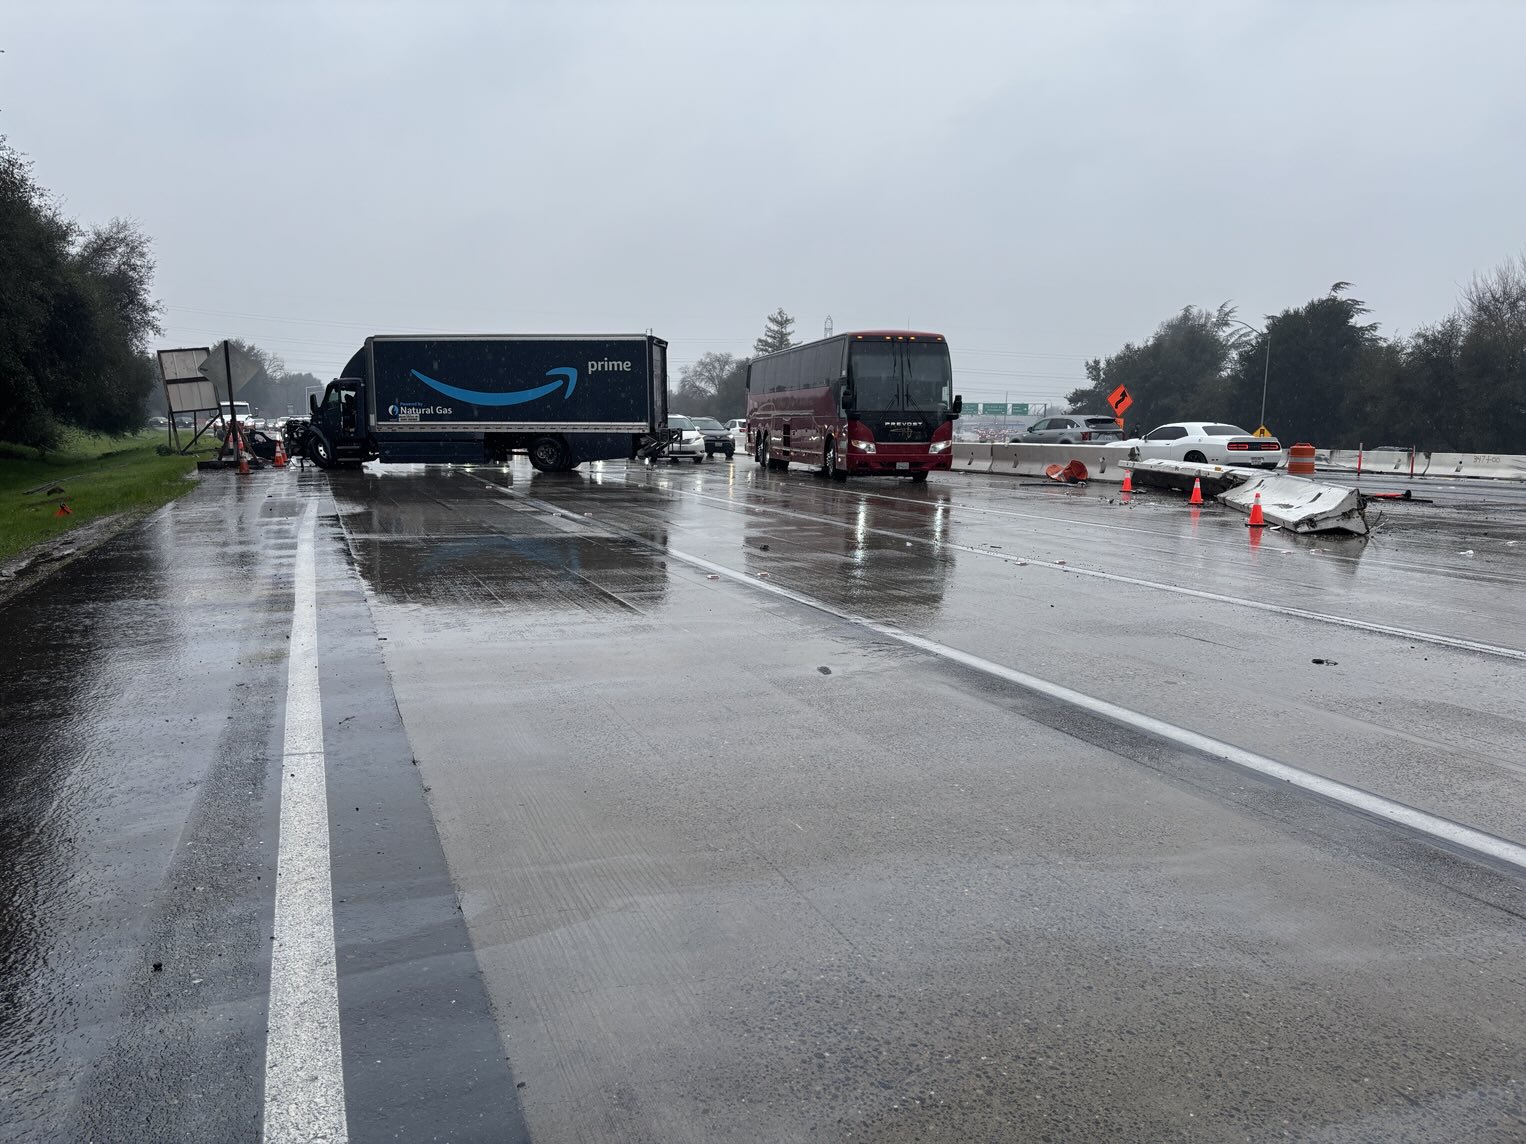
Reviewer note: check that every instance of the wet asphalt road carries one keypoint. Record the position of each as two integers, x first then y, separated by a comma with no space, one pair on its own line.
628,844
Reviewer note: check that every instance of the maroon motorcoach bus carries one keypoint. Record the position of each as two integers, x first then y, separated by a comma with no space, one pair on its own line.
879,402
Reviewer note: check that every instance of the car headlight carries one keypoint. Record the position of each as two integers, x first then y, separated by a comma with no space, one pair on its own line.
862,446
939,446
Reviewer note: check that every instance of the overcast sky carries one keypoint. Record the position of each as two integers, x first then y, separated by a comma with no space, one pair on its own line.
1040,182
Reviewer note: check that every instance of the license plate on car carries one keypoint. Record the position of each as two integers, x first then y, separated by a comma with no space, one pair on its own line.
903,464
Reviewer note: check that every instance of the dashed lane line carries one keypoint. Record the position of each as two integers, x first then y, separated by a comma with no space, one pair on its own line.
1435,638
1475,843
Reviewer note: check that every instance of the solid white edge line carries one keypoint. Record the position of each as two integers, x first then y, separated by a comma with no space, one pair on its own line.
304,1069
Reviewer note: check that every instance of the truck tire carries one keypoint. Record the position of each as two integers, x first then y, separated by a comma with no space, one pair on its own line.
550,455
319,451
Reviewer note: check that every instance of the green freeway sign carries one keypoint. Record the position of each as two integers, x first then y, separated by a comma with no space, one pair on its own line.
998,407
1019,409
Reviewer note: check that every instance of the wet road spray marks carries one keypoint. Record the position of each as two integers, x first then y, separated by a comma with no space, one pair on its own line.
1176,589
304,1078
1474,843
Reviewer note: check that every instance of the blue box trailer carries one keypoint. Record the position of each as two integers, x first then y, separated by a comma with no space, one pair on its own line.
560,399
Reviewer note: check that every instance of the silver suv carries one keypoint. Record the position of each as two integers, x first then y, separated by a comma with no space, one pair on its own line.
1072,429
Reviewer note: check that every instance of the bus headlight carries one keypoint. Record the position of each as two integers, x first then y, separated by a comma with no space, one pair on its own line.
862,446
939,446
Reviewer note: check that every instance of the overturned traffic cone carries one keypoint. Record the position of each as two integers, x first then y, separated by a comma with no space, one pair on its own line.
64,509
1197,491
1128,481
280,461
1256,519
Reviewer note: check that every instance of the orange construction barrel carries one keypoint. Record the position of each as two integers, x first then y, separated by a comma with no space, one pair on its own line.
1301,460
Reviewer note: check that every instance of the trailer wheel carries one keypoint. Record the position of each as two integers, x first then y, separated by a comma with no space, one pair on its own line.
550,455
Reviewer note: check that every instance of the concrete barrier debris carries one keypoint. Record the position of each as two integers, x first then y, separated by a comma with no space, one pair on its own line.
1298,504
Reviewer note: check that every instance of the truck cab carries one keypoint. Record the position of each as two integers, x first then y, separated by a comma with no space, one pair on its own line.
338,434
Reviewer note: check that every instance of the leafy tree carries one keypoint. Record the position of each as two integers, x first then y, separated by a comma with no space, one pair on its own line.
712,386
1318,351
1176,374
1492,357
777,334
34,254
75,316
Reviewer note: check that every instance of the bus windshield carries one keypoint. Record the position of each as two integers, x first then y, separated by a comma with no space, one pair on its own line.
900,375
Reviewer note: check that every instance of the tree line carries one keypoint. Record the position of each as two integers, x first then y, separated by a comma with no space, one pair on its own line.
75,316
1330,378
715,384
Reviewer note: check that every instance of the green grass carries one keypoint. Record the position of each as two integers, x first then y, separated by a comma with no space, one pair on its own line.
98,475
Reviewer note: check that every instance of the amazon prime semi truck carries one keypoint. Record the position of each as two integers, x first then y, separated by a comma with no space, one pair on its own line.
560,399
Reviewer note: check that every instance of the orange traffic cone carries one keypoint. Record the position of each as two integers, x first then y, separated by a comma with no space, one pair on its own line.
1256,519
1197,491
280,454
1128,481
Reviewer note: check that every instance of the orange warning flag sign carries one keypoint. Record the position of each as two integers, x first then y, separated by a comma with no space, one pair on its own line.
1120,401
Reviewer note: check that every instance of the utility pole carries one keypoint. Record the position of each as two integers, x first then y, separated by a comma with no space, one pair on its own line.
1266,370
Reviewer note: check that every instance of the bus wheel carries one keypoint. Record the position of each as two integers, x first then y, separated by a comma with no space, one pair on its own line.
763,458
829,462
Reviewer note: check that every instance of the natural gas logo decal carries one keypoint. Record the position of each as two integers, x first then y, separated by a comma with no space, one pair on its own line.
413,410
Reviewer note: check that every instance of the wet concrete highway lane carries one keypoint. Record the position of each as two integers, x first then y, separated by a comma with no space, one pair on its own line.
661,807
735,868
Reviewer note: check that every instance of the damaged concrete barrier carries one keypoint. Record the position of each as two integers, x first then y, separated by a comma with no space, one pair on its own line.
1298,504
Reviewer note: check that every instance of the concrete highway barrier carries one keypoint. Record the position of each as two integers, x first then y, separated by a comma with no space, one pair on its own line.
1101,461
972,457
1490,466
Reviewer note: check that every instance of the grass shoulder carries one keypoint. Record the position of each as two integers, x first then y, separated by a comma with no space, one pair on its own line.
94,476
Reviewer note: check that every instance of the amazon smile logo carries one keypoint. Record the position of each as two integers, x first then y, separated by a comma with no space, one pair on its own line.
564,375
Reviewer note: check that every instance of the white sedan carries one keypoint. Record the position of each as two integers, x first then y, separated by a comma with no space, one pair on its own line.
1206,442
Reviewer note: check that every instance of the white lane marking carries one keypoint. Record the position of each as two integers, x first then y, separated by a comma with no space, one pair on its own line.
1118,578
1465,838
304,1072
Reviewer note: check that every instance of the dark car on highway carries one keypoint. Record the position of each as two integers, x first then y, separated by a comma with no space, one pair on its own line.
718,438
1072,429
